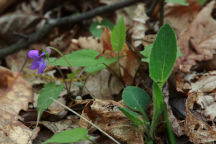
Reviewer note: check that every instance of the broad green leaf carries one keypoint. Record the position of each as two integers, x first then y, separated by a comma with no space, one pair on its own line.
147,52
85,57
103,63
68,136
133,116
118,35
163,55
50,61
202,2
49,90
181,2
136,98
158,106
96,28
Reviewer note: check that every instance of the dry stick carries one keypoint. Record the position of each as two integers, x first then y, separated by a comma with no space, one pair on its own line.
161,12
151,9
64,21
66,107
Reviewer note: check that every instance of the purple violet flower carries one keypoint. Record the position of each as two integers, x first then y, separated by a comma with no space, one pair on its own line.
40,62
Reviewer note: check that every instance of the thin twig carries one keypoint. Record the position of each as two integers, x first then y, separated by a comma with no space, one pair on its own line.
151,9
66,107
64,21
161,12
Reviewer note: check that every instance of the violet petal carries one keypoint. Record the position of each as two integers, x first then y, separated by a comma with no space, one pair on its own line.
42,66
35,65
34,54
42,54
48,50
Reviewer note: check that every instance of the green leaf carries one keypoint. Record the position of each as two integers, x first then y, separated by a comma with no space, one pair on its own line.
202,2
50,61
96,28
158,106
147,52
104,62
49,90
68,136
181,2
163,55
136,98
85,57
118,35
133,116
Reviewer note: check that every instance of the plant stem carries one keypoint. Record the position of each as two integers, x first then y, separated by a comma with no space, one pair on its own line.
119,65
61,73
61,54
71,110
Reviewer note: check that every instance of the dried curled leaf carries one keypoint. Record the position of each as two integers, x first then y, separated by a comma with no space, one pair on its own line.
107,116
15,94
196,126
200,106
197,43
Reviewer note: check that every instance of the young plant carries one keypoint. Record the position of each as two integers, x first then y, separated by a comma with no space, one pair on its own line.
92,62
161,57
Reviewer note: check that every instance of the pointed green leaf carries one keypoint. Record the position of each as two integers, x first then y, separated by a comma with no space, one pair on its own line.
49,90
118,35
68,136
163,55
136,98
133,116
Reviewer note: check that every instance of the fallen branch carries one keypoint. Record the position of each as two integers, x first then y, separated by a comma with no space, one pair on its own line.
32,38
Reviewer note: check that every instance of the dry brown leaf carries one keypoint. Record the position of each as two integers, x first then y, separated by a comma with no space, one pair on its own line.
198,42
196,126
15,93
139,26
106,115
129,63
103,85
179,16
200,106
11,23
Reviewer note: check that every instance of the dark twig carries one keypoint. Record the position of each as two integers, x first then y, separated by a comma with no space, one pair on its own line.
64,21
161,12
151,9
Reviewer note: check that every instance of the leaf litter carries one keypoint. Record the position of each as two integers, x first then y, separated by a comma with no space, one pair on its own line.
195,29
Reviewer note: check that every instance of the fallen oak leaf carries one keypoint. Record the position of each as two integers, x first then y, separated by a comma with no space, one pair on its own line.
197,43
107,116
15,94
